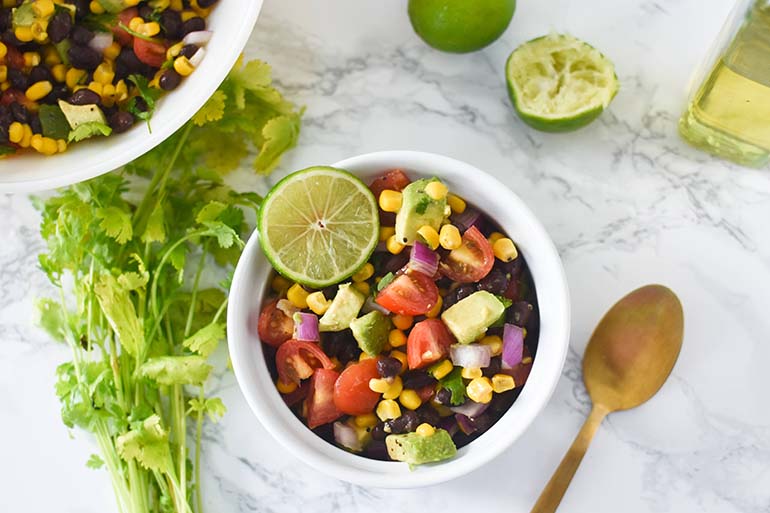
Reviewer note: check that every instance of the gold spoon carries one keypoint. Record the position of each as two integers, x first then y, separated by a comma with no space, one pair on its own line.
628,358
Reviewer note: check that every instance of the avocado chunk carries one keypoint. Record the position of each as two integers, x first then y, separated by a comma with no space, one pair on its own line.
470,317
417,449
343,310
371,331
417,210
82,114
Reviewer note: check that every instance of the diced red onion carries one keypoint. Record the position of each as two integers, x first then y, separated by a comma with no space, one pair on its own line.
101,41
513,346
371,305
423,260
286,307
470,356
470,409
199,37
449,424
306,327
468,218
465,424
346,436
197,57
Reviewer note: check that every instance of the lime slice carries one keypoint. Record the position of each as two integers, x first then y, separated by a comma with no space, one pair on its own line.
558,83
318,226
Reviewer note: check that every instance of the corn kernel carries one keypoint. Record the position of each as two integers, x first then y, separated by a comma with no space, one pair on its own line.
43,8
379,385
135,23
401,357
3,72
24,34
502,383
113,51
108,95
364,356
285,388
39,28
48,146
471,372
390,201
36,142
495,344
456,203
61,145
396,338
3,50
429,236
188,15
367,420
409,399
317,302
26,140
449,237
279,284
95,7
31,59
38,90
393,245
150,29
134,3
402,322
425,429
59,72
363,274
96,87
395,389
183,66
74,77
362,287
15,132
297,296
526,360
505,249
436,190
104,73
480,390
4,86
441,370
386,232
494,237
121,91
388,409
173,51
435,311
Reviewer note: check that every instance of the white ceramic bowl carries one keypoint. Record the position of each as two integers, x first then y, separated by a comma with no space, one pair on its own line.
250,282
231,22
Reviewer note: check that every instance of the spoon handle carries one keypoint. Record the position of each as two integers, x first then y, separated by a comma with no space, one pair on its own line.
554,491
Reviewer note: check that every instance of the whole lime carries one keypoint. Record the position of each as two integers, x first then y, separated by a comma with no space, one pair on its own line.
460,26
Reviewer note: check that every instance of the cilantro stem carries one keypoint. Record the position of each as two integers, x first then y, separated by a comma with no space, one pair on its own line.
137,34
198,436
194,292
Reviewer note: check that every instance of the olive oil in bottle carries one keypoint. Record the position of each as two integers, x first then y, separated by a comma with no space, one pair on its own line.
729,114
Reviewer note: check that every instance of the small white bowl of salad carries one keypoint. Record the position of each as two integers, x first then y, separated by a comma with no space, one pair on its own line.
398,319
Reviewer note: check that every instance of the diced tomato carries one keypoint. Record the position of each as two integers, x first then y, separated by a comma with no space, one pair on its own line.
151,53
395,180
13,58
426,393
125,17
352,394
320,401
411,293
428,342
297,360
274,327
299,394
10,96
471,261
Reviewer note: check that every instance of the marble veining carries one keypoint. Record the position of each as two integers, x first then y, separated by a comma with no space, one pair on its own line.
625,200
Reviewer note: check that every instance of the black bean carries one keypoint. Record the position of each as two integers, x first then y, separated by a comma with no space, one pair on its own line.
59,27
171,21
443,396
495,282
84,57
188,51
34,124
121,121
140,104
145,11
18,79
39,74
378,432
84,97
81,36
519,313
59,92
5,19
6,118
395,262
9,38
459,293
406,423
82,8
169,80
206,3
19,112
377,450
418,378
193,25
330,291
427,414
493,367
388,367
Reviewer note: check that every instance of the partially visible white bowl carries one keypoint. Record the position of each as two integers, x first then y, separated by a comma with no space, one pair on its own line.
507,209
232,22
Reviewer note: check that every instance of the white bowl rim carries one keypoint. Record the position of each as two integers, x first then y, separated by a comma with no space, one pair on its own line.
177,107
278,420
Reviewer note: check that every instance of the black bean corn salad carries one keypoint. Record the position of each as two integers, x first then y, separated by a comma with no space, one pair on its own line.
73,69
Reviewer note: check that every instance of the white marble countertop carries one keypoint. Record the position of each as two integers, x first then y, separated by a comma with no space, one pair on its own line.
625,200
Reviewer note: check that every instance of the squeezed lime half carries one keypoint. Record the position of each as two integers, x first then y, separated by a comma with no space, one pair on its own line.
318,226
558,83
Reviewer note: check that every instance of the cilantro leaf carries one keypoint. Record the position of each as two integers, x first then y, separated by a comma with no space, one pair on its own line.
147,93
52,318
148,445
155,231
205,340
213,407
212,110
6,150
119,310
176,370
116,223
95,462
280,134
88,130
454,383
53,121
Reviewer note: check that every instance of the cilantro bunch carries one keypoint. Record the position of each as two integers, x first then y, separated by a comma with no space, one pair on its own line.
131,255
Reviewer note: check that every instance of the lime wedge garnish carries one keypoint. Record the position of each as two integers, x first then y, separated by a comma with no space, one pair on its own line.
558,83
318,226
